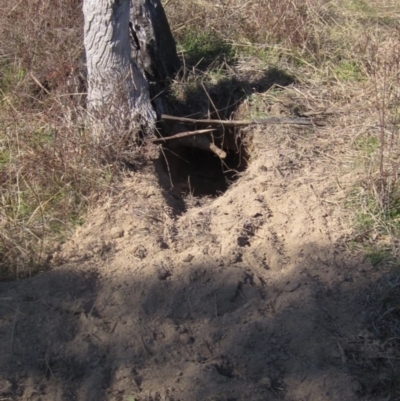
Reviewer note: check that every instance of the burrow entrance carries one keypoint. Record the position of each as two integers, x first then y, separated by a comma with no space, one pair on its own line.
199,172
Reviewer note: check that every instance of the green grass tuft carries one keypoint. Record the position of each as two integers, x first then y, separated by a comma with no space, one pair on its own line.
205,47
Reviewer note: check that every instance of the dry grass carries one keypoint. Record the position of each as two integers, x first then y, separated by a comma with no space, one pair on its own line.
49,170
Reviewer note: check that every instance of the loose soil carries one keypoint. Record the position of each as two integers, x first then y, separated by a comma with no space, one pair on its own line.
161,295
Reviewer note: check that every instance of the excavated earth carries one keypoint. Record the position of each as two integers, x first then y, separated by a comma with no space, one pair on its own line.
249,295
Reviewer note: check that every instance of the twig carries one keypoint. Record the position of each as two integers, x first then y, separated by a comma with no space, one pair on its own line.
39,84
184,135
193,139
48,367
241,123
14,8
215,149
390,340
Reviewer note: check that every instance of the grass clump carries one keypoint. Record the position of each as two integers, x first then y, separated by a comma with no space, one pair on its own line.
50,172
48,177
205,47
348,71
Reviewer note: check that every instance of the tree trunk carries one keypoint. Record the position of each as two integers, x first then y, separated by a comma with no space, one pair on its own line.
118,92
154,48
128,45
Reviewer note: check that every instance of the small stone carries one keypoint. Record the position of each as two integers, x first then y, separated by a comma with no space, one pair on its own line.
140,252
266,382
188,258
163,274
88,255
292,286
117,233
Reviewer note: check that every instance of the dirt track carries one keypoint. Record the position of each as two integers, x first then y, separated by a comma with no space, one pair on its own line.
250,296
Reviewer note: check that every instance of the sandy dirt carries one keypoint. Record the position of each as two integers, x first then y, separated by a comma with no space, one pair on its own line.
252,295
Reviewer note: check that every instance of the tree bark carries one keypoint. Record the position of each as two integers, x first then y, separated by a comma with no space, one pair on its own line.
153,48
118,92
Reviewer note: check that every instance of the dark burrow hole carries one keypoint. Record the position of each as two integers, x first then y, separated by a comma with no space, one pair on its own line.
197,172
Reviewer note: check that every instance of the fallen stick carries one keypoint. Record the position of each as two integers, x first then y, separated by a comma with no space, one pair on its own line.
195,139
215,149
184,135
242,123
189,136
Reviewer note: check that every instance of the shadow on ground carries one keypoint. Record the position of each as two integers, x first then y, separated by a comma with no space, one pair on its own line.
220,95
213,332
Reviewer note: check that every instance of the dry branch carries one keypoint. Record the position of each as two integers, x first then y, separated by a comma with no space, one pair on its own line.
242,123
184,135
193,139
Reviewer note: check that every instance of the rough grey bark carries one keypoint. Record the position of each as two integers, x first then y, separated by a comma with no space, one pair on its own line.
118,94
153,46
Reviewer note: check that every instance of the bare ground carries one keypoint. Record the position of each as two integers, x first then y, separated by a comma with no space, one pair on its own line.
253,295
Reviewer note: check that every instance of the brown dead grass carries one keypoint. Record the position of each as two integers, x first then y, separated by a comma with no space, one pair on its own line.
48,170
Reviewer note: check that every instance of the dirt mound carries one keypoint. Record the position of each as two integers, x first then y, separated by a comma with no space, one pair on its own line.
251,295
